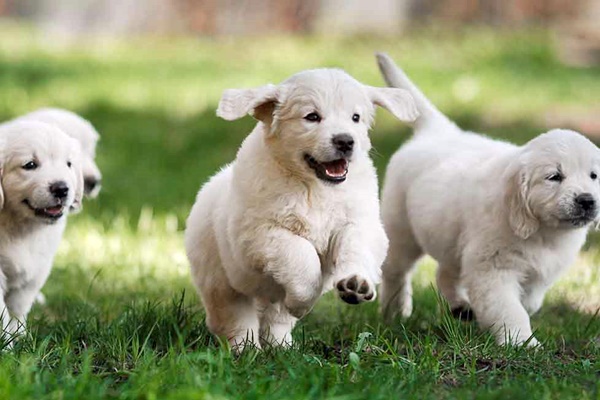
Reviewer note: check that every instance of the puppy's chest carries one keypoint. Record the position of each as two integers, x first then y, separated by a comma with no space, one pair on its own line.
316,223
547,264
23,261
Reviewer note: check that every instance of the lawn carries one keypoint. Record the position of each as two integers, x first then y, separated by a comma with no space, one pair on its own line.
122,319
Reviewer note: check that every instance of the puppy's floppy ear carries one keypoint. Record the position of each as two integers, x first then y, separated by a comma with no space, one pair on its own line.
1,190
258,102
79,188
397,101
520,217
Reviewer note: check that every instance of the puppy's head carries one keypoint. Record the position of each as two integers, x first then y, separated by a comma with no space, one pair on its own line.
81,130
317,121
554,183
41,172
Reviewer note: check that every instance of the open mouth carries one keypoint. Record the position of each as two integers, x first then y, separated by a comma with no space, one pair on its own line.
331,171
52,213
580,221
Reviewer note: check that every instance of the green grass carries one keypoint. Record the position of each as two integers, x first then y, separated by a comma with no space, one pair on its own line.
122,319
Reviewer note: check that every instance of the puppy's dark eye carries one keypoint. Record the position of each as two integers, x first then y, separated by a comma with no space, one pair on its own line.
356,118
69,164
313,117
555,177
29,165
593,176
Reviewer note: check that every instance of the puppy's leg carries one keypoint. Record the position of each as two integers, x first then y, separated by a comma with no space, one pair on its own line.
396,288
276,325
293,263
495,298
6,322
534,298
358,252
231,315
19,302
4,317
448,283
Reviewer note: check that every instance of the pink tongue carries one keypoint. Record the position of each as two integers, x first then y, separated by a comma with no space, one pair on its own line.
54,210
335,168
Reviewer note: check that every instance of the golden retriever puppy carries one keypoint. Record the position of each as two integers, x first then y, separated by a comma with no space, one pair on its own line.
81,130
87,136
503,221
297,213
41,179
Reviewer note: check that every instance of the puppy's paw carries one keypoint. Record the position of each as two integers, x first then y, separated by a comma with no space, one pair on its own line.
533,343
463,313
355,290
40,299
517,340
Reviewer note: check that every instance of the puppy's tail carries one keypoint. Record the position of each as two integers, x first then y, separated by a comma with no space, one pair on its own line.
430,117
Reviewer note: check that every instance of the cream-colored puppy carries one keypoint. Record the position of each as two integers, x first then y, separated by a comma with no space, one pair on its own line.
81,130
502,221
87,136
297,213
41,180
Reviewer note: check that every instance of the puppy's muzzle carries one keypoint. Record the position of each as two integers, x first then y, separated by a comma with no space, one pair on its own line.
585,209
586,202
60,190
343,143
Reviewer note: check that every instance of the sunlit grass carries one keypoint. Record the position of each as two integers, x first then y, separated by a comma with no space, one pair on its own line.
145,262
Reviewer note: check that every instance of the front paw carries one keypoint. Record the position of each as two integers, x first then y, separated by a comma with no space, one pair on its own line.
355,290
533,343
518,340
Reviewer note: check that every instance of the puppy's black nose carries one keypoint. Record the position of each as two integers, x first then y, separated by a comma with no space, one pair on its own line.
344,143
90,184
585,201
59,189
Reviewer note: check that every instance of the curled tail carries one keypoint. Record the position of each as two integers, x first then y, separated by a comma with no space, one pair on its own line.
430,116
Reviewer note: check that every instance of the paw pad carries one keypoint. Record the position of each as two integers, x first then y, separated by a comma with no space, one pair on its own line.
355,290
463,313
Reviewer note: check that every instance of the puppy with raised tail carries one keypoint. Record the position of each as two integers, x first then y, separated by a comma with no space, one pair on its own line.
297,213
502,221
41,180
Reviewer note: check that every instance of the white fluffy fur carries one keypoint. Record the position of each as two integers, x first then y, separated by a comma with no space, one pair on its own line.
28,242
81,130
266,237
500,229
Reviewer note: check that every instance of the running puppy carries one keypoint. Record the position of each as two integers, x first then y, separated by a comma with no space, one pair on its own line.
297,213
502,221
41,180
82,131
